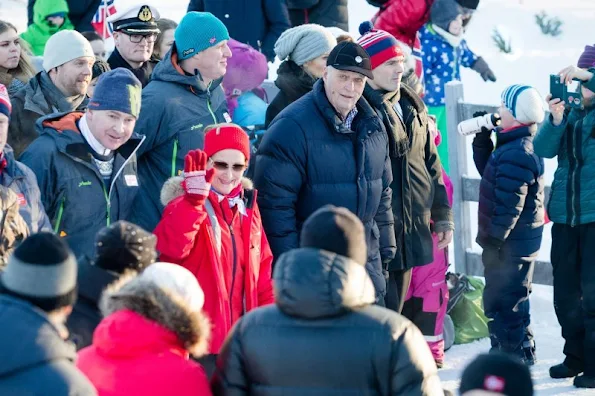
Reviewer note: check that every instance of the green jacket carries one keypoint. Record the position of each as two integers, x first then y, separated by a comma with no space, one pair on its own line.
572,200
40,31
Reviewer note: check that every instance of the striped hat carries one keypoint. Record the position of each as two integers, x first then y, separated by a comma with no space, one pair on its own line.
42,270
524,103
380,45
5,106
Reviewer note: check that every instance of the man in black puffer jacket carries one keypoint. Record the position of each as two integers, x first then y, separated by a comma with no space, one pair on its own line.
511,215
323,336
329,147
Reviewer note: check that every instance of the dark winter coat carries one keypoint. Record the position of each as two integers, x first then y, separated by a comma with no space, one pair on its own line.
323,337
327,13
293,83
143,345
419,195
308,159
80,13
258,23
572,200
143,73
511,191
38,98
35,360
85,316
20,179
73,192
175,110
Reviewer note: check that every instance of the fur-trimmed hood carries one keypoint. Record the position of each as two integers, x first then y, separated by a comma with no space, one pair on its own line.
172,188
147,299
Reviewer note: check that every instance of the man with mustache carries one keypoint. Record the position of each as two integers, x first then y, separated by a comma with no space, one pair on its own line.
60,87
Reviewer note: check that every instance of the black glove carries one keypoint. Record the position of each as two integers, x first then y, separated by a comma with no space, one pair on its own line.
485,132
481,66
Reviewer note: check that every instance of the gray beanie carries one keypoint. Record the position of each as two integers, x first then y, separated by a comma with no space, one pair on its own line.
443,12
42,271
304,43
64,46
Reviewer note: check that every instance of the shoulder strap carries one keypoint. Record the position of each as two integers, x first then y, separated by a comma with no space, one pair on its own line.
215,225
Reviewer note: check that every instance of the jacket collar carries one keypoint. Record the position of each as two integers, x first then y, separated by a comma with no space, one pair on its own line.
515,133
43,97
293,81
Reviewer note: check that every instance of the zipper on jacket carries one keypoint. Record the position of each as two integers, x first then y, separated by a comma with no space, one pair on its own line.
209,103
173,158
60,213
108,206
233,268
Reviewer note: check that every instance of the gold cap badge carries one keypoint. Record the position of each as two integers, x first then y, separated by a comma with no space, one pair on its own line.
145,14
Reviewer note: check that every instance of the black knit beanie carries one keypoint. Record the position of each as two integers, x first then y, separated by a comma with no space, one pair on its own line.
443,12
336,230
42,271
99,67
123,246
471,4
498,373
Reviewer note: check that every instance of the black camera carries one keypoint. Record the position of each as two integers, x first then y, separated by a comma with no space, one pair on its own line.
570,94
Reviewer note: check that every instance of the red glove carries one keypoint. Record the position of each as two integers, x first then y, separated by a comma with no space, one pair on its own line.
197,180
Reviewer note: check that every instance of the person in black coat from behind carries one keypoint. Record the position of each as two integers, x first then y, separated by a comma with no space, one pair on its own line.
304,50
81,13
120,247
323,335
258,23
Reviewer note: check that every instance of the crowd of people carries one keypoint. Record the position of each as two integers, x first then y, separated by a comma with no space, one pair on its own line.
123,183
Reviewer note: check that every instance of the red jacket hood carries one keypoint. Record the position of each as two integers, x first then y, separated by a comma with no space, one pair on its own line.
126,334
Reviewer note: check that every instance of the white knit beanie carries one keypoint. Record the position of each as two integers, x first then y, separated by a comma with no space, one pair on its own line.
304,43
65,46
177,280
524,103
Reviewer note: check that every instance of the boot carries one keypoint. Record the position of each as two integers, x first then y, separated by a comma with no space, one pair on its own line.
530,356
583,381
563,371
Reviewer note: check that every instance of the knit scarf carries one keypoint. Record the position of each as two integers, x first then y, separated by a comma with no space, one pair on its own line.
59,102
453,40
234,198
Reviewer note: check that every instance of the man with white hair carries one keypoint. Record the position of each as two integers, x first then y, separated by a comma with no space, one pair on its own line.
329,147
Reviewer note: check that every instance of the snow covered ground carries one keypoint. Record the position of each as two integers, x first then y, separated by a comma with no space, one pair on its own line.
535,56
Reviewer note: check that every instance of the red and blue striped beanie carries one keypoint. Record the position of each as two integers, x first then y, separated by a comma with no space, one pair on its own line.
5,106
380,45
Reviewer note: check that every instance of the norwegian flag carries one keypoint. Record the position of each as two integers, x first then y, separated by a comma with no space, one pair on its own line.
106,9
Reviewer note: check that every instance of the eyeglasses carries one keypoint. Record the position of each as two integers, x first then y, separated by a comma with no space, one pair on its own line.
137,38
222,166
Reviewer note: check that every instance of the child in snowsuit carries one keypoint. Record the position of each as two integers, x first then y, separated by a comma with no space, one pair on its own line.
444,51
511,217
49,17
427,297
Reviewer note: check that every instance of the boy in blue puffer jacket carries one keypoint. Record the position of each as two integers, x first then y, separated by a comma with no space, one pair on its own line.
444,51
511,217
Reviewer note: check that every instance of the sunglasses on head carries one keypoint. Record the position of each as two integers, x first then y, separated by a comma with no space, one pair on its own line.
221,166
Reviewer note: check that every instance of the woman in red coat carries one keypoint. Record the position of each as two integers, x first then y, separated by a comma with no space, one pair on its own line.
211,225
152,323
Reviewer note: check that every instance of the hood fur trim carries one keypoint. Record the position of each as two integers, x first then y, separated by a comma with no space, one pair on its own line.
159,305
172,188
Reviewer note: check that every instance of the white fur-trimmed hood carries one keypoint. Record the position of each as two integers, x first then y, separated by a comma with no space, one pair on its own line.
172,188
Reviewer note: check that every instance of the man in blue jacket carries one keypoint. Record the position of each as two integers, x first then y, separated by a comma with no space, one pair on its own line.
183,97
258,23
329,147
86,162
18,177
511,217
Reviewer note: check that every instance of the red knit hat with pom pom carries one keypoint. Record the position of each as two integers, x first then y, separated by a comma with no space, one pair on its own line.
226,136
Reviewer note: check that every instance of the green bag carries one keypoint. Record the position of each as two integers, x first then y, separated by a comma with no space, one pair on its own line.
470,322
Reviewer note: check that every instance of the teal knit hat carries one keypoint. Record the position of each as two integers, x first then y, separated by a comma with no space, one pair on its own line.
197,32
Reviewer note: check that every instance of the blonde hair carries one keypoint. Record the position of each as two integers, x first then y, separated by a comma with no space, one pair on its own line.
24,70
